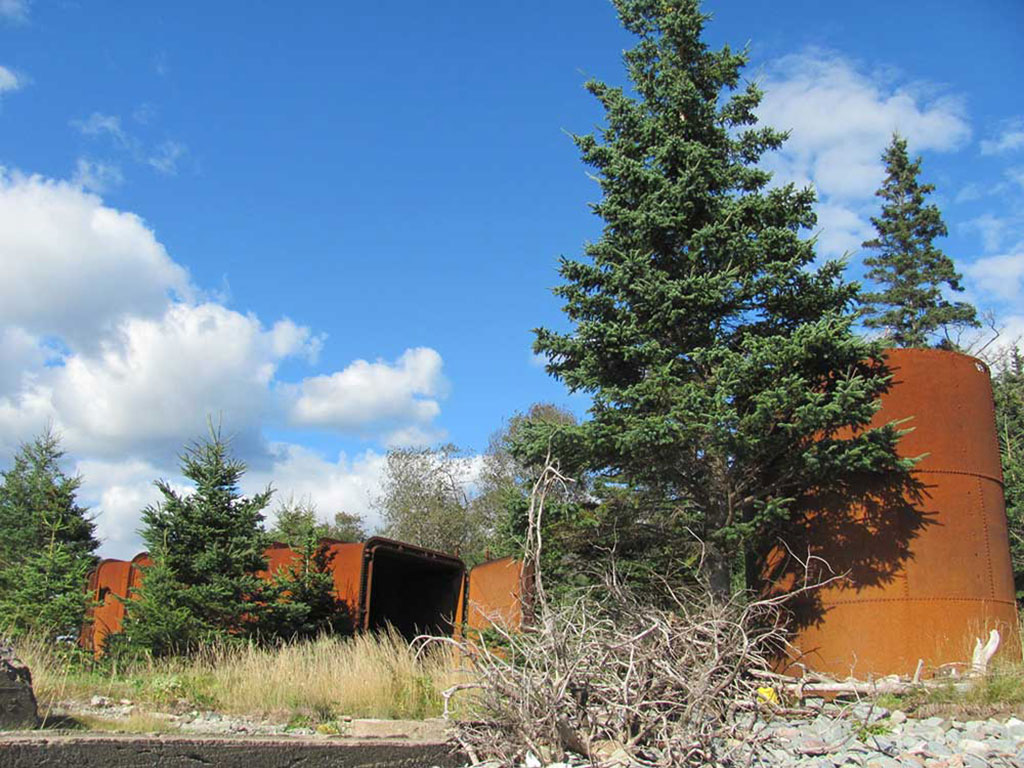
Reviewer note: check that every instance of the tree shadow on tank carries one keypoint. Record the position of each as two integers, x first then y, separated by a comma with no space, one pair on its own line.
853,537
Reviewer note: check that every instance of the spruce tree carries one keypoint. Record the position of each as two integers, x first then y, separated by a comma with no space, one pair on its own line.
207,548
47,543
723,367
910,271
1008,388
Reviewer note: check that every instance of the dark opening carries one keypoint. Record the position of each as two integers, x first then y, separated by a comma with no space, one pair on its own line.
414,592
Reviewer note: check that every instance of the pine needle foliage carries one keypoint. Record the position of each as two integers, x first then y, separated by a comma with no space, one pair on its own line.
47,541
724,371
207,548
910,271
1008,388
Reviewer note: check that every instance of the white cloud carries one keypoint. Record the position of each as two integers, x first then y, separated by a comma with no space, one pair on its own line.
103,337
345,484
72,266
1009,138
991,228
9,81
98,124
841,229
841,119
14,10
365,394
117,491
1001,275
20,353
414,436
166,157
154,382
97,176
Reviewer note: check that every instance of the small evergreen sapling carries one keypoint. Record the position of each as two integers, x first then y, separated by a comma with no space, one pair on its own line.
47,543
207,550
910,271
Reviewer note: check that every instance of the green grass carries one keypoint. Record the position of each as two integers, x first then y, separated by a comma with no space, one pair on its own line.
999,692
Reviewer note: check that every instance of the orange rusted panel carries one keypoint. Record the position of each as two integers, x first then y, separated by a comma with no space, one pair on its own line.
494,594
928,566
346,568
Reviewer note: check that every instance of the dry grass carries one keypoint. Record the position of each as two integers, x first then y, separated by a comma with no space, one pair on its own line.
134,723
363,676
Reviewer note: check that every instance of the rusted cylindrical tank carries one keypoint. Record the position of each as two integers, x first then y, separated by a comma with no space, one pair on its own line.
928,565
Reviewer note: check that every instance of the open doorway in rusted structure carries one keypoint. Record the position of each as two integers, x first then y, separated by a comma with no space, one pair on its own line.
415,590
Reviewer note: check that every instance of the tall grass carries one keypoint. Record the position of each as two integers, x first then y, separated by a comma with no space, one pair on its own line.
368,675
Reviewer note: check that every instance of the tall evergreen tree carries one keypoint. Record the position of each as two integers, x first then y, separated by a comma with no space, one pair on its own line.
207,548
1008,388
722,363
910,271
47,542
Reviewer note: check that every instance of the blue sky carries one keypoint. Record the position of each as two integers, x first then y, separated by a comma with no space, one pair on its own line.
333,226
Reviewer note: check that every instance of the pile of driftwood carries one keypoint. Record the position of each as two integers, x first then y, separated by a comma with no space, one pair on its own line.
612,678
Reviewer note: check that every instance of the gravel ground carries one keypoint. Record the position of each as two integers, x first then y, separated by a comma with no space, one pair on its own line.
873,737
834,735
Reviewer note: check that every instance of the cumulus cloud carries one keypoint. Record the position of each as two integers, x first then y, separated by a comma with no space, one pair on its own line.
73,266
1009,138
117,492
349,484
153,383
104,338
841,118
381,394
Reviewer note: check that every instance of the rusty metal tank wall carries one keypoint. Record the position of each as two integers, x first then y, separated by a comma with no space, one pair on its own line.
929,568
494,594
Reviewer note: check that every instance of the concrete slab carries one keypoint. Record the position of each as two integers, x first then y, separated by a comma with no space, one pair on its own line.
36,750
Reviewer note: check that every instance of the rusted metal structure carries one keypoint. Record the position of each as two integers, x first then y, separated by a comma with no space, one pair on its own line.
380,581
495,594
928,562
108,581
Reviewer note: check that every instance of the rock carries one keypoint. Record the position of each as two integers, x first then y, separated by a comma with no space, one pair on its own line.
17,701
973,747
897,717
99,701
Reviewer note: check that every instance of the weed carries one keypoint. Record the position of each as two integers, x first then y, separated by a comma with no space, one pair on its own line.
362,676
866,730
